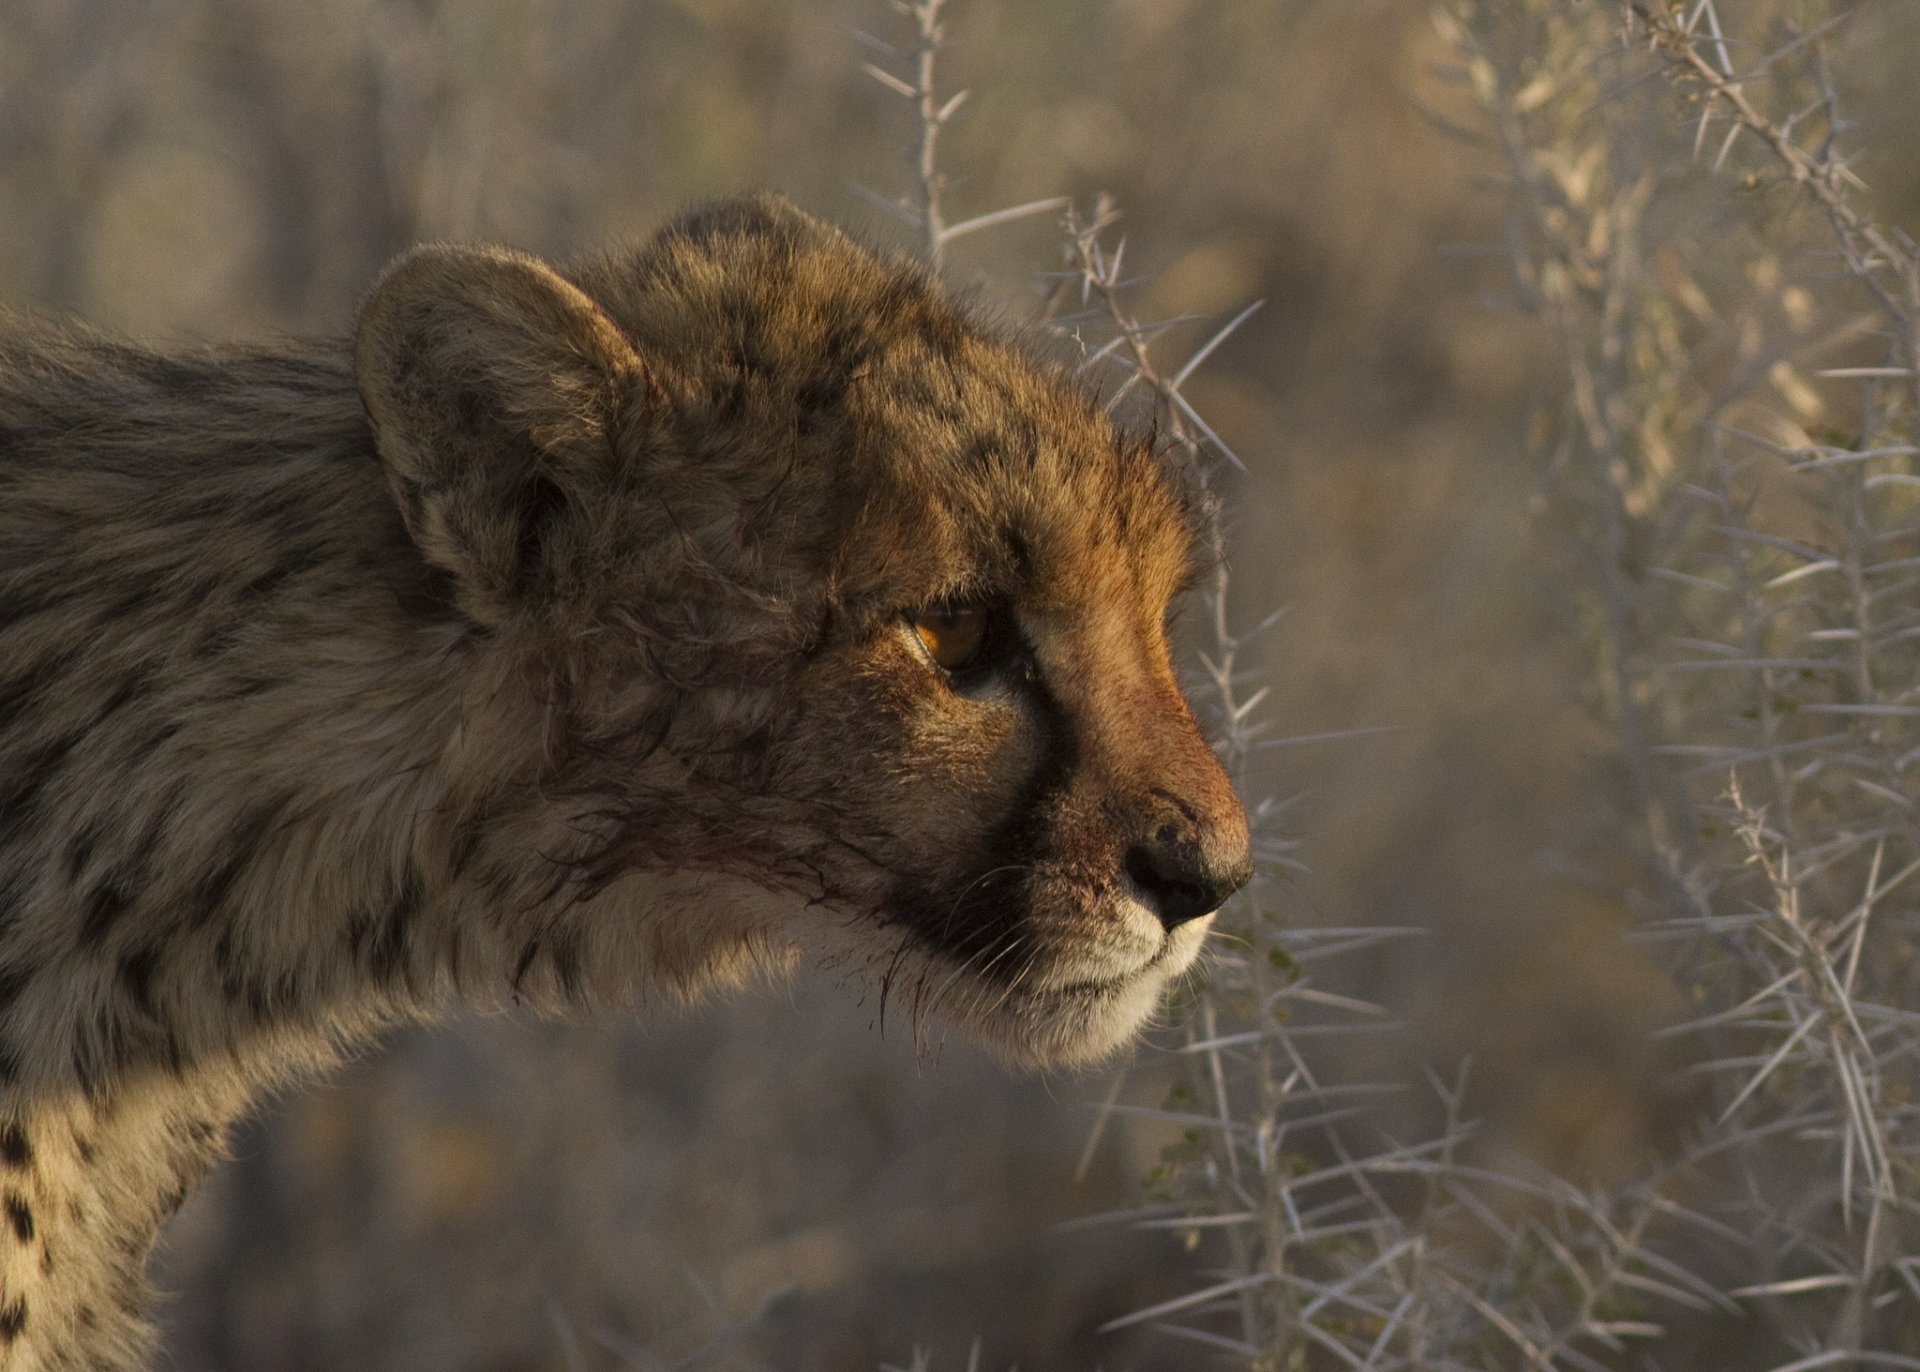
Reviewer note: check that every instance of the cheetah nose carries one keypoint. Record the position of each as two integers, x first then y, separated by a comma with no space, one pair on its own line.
1185,877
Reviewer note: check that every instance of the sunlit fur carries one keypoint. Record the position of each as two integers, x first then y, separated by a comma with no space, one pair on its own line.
551,642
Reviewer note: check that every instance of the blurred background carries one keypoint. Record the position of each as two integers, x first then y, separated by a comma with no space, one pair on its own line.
771,1182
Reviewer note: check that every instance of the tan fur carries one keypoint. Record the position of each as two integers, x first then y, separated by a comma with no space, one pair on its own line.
557,648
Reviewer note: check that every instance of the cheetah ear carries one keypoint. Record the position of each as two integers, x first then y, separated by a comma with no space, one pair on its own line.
496,389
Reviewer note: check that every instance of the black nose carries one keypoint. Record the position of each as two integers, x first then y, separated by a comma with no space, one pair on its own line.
1182,878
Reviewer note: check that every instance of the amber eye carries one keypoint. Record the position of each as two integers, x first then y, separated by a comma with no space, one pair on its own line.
954,638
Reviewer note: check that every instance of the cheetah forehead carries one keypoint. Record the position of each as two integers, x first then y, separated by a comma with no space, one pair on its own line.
933,454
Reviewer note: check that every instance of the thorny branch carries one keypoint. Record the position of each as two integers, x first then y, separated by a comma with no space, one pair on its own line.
925,208
1872,252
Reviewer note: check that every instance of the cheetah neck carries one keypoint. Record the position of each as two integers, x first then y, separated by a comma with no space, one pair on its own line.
260,857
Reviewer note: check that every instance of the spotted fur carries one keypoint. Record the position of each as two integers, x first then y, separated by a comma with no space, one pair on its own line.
551,642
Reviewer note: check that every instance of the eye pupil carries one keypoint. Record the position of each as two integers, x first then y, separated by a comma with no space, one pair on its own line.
953,638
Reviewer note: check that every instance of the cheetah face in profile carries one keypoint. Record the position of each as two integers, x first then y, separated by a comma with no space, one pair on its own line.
785,576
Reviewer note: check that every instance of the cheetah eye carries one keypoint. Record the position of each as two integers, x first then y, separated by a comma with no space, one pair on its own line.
964,641
953,638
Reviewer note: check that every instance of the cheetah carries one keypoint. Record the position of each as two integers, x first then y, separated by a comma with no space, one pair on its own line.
568,636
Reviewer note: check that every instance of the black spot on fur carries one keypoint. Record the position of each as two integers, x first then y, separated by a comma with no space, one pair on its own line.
12,897
240,685
846,348
20,1216
226,958
23,604
13,1319
391,953
241,848
124,881
465,844
144,594
153,742
136,974
13,979
423,591
744,357
263,585
25,777
130,689
821,395
82,847
543,508
359,935
217,643
15,1150
388,952
1021,552
108,901
267,997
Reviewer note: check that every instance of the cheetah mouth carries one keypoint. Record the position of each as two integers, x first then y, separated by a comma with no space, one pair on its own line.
1060,974
1125,946
1103,989
1169,959
1071,943
1076,1023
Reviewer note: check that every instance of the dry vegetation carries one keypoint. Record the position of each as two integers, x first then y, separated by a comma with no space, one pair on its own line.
1726,455
1570,1025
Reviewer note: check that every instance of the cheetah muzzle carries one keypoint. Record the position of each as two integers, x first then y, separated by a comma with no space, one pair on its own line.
575,635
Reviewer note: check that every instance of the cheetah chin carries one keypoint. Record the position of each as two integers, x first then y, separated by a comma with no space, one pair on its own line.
570,635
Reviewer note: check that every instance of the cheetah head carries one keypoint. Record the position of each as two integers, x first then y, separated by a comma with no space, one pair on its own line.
783,575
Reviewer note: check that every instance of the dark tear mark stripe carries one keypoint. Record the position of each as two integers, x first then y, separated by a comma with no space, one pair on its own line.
963,926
